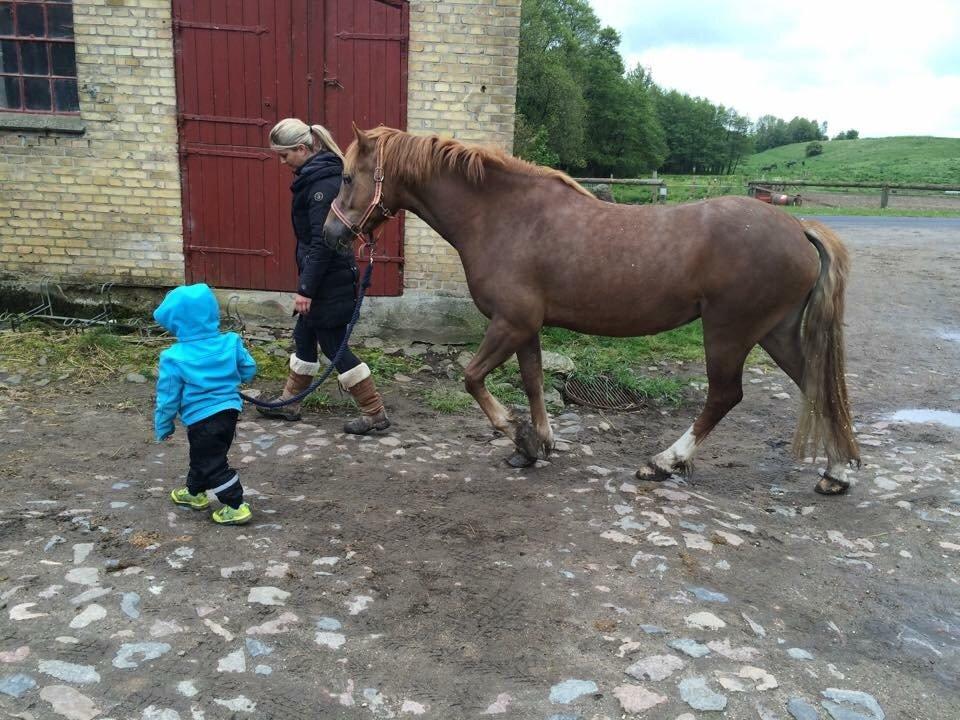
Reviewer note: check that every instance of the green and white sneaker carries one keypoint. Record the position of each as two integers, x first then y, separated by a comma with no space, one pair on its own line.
182,496
228,516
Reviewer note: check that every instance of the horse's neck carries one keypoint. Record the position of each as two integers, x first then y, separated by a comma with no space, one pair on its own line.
457,209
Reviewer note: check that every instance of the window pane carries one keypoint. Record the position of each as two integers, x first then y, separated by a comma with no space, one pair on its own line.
6,19
65,95
30,19
8,56
34,58
64,59
60,21
37,91
10,93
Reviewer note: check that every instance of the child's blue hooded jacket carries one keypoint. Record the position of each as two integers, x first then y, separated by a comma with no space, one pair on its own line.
200,375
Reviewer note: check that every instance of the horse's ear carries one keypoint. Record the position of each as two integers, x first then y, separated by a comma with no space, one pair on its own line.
362,140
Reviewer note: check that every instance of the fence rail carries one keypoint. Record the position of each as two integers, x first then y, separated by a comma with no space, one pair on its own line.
883,187
711,186
620,181
841,184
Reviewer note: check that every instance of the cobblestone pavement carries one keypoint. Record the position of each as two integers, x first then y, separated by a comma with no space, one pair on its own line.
415,574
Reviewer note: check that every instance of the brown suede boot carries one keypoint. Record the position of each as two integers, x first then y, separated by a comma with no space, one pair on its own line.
359,384
299,379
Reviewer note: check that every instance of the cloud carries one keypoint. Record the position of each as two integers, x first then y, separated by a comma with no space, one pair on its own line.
880,71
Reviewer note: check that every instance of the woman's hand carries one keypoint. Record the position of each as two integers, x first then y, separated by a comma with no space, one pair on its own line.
301,304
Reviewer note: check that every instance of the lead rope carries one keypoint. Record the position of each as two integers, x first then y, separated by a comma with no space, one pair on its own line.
364,284
369,243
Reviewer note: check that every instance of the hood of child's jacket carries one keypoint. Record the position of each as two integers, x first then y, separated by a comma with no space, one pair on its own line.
323,164
190,312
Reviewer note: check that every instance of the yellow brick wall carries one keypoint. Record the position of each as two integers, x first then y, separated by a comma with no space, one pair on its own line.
104,205
463,84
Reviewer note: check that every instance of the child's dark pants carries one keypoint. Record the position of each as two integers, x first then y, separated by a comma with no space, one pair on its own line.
210,439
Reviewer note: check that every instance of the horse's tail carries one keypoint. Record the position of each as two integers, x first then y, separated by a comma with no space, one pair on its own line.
825,418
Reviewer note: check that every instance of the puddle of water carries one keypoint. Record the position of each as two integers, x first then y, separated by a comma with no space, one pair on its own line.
942,417
953,336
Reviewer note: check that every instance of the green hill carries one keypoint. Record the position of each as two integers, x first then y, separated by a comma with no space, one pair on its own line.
893,159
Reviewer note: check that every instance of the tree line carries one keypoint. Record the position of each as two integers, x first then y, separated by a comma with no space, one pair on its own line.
579,109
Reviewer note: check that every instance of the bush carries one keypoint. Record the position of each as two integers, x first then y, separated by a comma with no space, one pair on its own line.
814,148
531,143
848,135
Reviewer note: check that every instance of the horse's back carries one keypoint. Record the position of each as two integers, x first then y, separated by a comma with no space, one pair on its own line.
650,268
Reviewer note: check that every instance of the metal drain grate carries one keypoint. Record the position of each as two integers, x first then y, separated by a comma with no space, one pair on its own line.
602,393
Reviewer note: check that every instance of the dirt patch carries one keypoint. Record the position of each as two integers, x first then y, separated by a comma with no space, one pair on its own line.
413,573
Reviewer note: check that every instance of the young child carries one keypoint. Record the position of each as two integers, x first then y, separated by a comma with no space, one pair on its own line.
199,378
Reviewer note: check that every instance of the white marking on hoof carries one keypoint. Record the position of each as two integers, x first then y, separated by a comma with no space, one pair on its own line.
678,454
841,471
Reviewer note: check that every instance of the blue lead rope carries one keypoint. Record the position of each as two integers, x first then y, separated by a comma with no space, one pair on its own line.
364,284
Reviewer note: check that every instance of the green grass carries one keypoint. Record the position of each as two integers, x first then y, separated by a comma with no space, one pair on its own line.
324,400
384,366
907,160
893,159
660,390
447,400
98,356
99,339
624,360
511,393
91,356
683,188
270,365
273,366
611,355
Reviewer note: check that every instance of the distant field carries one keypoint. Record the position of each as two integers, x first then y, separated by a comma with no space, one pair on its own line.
894,160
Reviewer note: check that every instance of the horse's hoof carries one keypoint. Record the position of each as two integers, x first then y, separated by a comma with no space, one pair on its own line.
652,473
527,440
828,485
519,460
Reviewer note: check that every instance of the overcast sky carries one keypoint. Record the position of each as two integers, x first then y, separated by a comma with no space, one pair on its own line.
882,69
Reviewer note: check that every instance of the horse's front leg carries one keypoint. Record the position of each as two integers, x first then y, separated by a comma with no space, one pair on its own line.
534,440
499,342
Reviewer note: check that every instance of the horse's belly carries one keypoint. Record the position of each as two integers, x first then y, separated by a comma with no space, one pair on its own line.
619,316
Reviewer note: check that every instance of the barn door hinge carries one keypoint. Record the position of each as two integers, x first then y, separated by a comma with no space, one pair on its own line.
255,29
389,37
203,249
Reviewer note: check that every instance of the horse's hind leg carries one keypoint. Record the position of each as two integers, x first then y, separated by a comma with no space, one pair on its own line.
725,358
533,440
784,345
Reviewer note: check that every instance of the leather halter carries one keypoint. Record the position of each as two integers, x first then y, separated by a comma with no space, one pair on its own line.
375,204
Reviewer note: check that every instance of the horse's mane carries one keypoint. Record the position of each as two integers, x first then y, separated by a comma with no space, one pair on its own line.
416,158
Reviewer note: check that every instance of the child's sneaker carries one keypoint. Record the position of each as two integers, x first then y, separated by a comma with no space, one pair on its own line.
182,496
228,516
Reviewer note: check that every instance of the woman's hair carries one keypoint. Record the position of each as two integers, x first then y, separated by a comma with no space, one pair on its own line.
291,132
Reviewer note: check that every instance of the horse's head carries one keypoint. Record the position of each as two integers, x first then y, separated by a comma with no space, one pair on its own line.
363,203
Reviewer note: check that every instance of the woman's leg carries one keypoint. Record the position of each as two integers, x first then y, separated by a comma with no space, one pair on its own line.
304,365
330,340
355,378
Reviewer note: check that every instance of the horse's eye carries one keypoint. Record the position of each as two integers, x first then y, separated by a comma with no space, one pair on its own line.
347,179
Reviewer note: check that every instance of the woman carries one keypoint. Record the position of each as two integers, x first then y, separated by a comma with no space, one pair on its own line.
327,286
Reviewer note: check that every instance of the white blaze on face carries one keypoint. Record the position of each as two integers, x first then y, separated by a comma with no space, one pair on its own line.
681,451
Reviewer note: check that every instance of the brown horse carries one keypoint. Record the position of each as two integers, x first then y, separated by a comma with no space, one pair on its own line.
538,249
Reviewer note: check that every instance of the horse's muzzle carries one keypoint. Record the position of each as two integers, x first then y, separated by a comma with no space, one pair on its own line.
337,236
